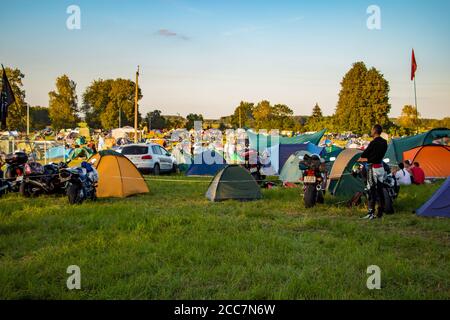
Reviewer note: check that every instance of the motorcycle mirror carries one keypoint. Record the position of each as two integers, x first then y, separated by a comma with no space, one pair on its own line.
387,160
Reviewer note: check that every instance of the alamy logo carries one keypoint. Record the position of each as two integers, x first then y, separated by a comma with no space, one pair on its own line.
74,280
73,22
374,281
374,19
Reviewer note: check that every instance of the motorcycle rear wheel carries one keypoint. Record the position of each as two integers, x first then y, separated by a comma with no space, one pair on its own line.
310,195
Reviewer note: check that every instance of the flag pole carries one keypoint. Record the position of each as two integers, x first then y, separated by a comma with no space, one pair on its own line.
417,111
136,107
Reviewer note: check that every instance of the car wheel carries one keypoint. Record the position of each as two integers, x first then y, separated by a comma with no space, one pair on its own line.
156,170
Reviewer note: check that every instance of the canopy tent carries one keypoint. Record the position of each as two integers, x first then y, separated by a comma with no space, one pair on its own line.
262,141
434,160
341,182
439,204
274,158
233,183
398,146
207,163
291,171
118,176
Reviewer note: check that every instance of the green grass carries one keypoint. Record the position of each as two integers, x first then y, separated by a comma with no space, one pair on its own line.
175,244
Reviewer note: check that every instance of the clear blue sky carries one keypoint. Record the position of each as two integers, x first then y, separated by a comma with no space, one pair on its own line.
205,56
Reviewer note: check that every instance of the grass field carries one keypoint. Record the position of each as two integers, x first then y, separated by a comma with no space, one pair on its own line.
174,244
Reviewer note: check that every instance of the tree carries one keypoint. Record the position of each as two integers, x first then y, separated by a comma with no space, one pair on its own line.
105,101
120,105
316,121
243,115
63,104
154,120
363,100
273,117
409,118
39,117
191,118
17,112
95,100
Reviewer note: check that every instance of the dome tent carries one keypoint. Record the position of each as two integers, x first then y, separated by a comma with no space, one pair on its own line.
233,183
118,176
341,182
439,204
433,159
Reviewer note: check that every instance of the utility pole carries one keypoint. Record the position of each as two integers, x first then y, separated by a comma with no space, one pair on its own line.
136,107
120,116
28,120
417,110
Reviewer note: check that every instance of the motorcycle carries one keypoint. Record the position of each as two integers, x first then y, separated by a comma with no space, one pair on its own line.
314,177
390,187
39,179
15,164
81,183
253,165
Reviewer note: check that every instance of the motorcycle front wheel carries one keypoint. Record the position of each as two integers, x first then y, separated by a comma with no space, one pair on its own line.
74,193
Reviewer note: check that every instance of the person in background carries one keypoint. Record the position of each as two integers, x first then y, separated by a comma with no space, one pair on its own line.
418,174
407,165
376,174
402,176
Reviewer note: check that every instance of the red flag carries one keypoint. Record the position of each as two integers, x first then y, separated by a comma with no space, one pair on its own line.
413,66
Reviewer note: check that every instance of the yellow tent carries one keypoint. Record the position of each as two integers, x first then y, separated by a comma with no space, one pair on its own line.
118,176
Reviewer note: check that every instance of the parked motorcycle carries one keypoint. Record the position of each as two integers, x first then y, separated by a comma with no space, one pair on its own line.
42,179
253,165
314,180
15,164
81,183
390,188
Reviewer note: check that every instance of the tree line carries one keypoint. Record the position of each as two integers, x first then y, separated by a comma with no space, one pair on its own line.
363,101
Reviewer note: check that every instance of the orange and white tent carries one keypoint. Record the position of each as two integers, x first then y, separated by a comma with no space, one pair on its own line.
433,159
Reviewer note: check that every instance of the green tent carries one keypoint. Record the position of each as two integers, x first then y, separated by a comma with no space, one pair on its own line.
233,183
263,141
82,152
341,182
291,171
398,146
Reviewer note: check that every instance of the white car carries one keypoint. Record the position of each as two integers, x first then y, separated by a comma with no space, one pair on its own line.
150,158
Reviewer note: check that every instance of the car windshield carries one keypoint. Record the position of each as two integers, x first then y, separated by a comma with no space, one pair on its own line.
134,150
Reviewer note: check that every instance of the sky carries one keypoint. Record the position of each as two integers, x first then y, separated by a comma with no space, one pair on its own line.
205,56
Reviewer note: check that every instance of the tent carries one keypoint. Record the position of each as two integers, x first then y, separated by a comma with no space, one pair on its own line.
58,152
184,160
398,146
233,183
291,171
434,160
439,204
118,176
207,163
274,158
341,182
82,152
262,141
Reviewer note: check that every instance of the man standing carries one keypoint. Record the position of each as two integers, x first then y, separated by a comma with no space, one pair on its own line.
376,174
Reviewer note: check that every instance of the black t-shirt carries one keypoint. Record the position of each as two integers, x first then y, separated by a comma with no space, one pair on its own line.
375,151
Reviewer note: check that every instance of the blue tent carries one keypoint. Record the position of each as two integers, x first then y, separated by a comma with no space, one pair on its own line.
279,155
207,163
261,141
58,152
439,203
